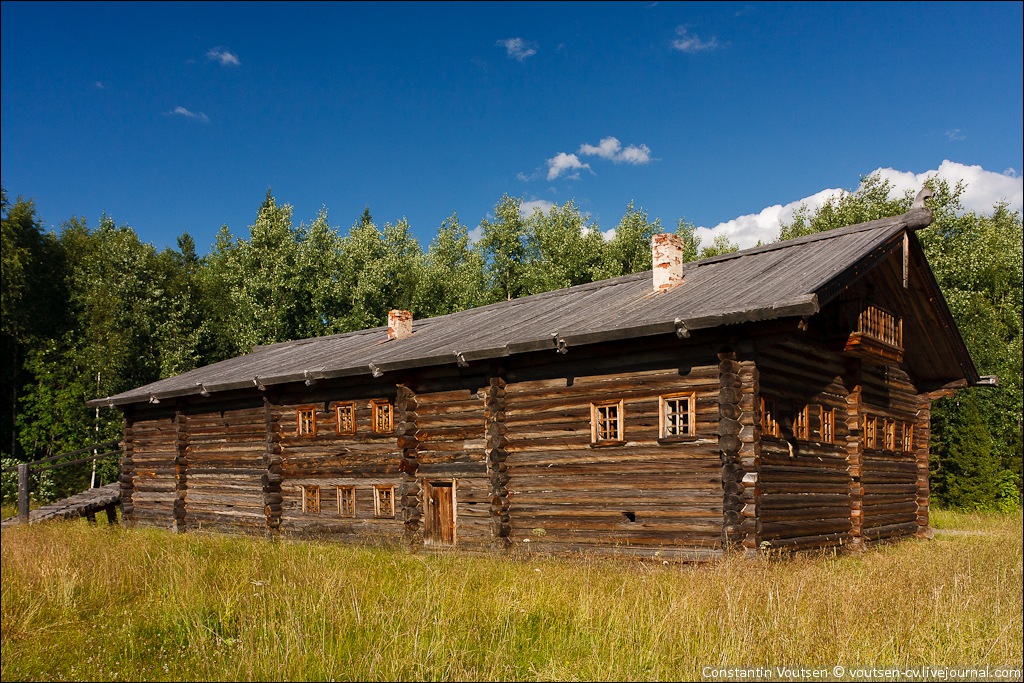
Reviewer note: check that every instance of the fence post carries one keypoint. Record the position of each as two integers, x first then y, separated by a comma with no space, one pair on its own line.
23,493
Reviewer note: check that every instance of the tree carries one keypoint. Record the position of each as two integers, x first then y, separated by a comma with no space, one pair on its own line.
452,276
720,245
561,250
503,245
691,243
629,250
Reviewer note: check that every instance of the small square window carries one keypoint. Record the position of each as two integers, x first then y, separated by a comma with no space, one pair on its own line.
384,501
676,415
908,437
606,422
347,501
305,421
345,416
383,416
890,435
769,417
310,500
828,425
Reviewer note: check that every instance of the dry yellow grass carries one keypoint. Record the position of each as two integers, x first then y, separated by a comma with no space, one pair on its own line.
100,603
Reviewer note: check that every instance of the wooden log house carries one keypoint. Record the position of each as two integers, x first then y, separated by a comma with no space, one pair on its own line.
776,397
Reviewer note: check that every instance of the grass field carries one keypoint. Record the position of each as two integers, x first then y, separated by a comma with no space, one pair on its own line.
87,602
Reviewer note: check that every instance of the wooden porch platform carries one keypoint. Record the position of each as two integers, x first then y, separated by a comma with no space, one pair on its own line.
85,504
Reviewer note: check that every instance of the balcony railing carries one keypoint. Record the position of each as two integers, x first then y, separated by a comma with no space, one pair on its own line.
869,332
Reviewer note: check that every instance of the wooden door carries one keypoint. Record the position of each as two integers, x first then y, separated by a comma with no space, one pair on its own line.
440,513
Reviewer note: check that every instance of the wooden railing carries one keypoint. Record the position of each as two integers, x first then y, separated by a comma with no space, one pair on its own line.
866,331
51,463
880,325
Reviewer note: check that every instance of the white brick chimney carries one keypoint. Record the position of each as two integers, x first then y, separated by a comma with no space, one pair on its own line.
667,258
399,324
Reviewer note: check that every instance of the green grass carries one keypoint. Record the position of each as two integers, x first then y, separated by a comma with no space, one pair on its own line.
85,602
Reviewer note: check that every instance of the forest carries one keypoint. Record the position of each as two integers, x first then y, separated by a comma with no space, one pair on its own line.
93,311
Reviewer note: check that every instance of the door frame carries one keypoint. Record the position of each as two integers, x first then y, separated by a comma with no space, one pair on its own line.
432,536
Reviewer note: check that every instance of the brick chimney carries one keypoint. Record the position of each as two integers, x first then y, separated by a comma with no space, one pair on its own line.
667,258
399,324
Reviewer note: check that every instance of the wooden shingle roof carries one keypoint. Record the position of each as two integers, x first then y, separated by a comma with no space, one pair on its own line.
785,279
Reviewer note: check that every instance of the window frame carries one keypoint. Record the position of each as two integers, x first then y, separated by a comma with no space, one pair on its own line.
596,440
378,489
311,427
350,511
802,424
377,405
351,406
828,425
870,435
770,426
690,432
889,434
908,437
310,499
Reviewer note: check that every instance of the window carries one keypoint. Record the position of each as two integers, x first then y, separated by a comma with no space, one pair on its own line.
890,435
606,423
769,417
908,437
347,501
383,416
800,424
310,500
828,425
345,415
305,421
870,436
676,416
384,501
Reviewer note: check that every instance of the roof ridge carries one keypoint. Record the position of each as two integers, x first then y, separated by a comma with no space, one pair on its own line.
914,218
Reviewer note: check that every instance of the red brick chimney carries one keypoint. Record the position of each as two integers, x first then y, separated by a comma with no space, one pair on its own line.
667,258
399,324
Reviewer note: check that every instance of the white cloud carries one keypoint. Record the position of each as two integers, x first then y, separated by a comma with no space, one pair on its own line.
475,234
610,148
181,111
99,85
983,189
955,135
529,207
222,55
692,44
763,226
563,163
518,48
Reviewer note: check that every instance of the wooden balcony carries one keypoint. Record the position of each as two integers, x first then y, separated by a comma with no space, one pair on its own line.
870,333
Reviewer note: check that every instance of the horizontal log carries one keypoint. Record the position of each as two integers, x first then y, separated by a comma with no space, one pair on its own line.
771,531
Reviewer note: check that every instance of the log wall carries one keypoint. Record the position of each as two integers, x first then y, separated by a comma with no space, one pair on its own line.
329,460
804,484
890,476
451,447
149,471
224,447
564,494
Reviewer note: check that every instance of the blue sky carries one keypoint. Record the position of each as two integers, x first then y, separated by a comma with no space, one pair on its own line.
178,117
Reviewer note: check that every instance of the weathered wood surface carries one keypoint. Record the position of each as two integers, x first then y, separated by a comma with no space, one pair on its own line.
331,459
804,483
565,495
85,504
